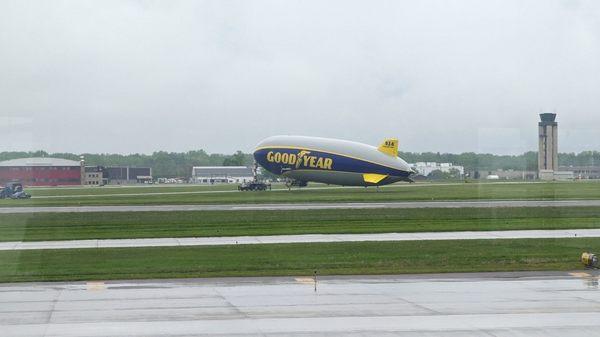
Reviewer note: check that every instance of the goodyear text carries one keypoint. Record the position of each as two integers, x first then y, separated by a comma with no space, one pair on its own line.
302,159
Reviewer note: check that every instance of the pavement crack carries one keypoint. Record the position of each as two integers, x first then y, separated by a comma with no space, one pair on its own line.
231,305
51,310
432,311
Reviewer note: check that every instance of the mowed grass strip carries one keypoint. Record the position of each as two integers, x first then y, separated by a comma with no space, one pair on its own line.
295,259
406,192
110,190
125,189
113,225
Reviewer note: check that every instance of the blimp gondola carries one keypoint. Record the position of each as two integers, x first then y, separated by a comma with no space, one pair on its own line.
304,159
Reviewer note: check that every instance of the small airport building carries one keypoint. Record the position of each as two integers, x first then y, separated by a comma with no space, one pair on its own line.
125,175
41,171
94,176
425,168
583,172
117,175
221,174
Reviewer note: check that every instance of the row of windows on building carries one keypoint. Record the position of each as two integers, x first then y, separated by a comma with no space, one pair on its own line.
213,180
44,168
50,180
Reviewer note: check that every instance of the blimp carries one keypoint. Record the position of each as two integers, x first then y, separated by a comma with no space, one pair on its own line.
332,161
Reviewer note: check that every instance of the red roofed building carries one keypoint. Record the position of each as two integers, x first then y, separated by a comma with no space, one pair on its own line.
41,171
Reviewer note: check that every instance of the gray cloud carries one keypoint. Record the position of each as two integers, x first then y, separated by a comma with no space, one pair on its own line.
118,76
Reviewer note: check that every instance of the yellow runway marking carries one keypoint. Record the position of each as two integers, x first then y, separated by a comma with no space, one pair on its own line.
305,280
580,274
95,286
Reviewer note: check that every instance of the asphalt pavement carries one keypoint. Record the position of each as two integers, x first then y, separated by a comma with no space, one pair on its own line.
488,304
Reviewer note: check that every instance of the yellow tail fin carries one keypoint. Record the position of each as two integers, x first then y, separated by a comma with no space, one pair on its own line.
389,147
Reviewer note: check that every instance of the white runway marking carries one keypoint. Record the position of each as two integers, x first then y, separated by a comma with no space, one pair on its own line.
272,239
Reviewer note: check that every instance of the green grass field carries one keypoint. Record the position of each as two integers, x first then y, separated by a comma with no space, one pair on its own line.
125,189
225,194
294,259
73,226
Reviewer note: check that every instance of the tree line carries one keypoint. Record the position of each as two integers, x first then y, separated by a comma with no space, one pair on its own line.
179,164
163,164
477,161
485,161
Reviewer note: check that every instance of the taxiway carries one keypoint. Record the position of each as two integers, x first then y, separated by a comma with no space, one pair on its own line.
306,206
305,238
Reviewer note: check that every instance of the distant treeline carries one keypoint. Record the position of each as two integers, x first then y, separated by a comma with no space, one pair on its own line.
163,164
485,161
477,161
179,164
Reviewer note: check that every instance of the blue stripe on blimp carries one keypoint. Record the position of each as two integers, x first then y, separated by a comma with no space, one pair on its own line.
279,160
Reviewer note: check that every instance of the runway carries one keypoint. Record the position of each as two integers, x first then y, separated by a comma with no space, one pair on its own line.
491,304
306,238
306,206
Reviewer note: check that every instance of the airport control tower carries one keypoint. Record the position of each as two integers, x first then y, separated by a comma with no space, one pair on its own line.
548,139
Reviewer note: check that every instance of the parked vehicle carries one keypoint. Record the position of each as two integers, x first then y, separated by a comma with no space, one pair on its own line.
13,190
254,186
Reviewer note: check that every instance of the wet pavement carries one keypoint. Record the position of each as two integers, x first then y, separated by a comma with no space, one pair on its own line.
482,304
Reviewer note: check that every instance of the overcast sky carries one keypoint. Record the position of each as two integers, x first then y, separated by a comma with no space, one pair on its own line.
448,76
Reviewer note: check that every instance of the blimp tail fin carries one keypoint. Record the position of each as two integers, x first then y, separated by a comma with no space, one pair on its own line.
389,147
373,178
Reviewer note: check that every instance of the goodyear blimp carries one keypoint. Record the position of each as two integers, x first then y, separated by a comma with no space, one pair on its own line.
332,161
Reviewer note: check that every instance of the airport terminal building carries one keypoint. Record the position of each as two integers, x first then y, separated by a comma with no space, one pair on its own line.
425,168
